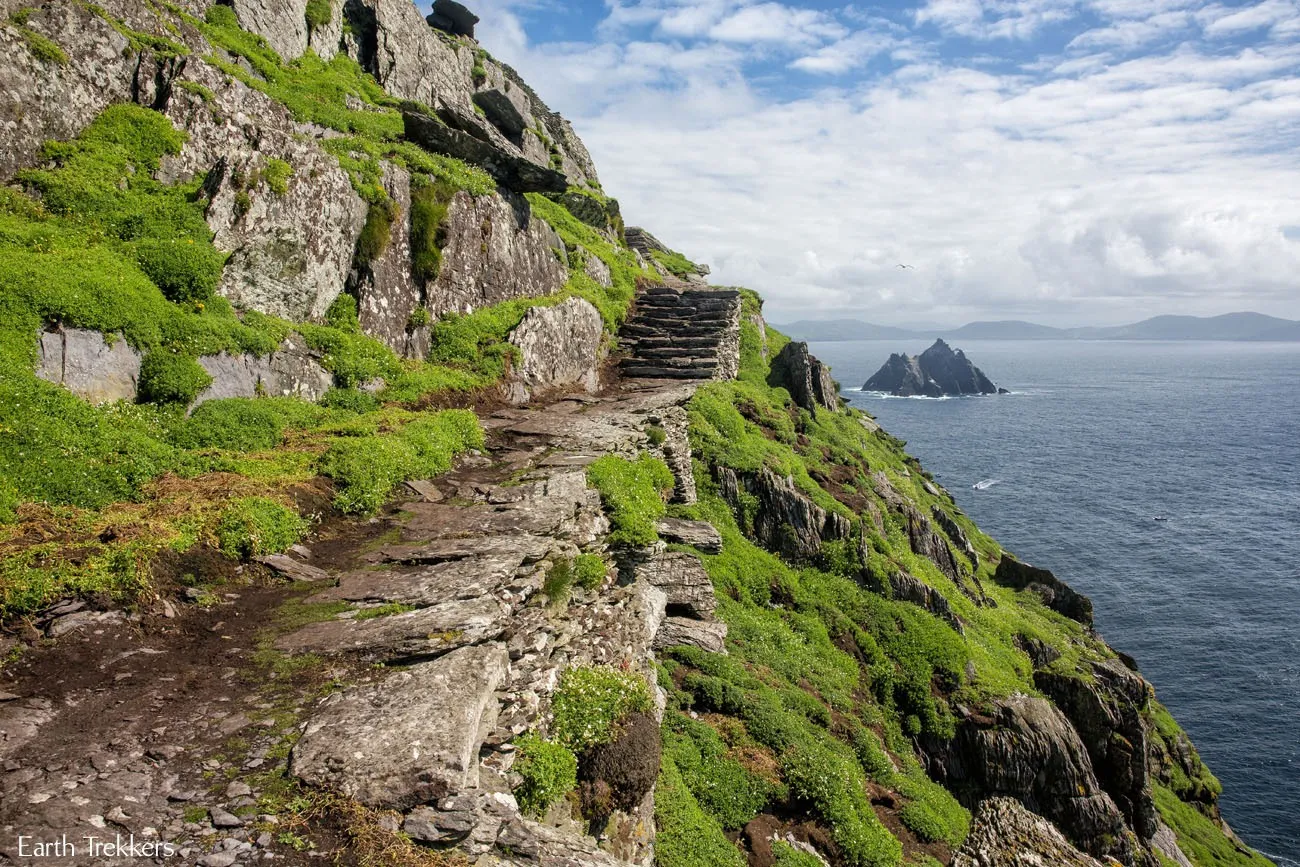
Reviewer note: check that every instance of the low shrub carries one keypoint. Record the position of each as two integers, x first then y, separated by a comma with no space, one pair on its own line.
342,314
558,583
255,526
687,836
9,501
221,16
591,701
429,203
278,172
633,493
728,791
351,399
788,856
169,377
549,771
588,571
377,231
237,424
319,13
832,785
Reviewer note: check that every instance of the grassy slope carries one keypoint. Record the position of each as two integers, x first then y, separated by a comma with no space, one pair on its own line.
92,241
827,682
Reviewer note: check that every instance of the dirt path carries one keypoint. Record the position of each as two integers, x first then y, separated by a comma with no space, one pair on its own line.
166,739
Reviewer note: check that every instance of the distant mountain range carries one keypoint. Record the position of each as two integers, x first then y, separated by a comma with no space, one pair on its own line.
1229,326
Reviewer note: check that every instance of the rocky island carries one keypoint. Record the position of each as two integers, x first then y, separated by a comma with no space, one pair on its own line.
940,371
370,494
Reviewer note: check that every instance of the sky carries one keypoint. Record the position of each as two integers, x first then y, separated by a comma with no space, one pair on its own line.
1069,162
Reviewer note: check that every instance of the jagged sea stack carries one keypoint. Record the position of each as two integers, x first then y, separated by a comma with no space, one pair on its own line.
940,371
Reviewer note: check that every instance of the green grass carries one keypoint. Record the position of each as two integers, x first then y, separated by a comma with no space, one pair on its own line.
723,787
687,836
255,526
318,14
633,493
675,262
549,771
589,571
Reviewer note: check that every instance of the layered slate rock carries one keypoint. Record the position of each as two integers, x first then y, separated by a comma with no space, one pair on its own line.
92,367
786,521
646,244
683,331
809,381
512,171
1024,747
386,290
413,736
559,346
698,534
1005,834
689,602
938,372
1055,593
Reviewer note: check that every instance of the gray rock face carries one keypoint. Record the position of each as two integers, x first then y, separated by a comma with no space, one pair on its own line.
937,372
1005,834
503,112
283,23
908,588
424,632
709,635
675,451
786,521
89,366
558,346
386,291
1025,748
1107,714
955,533
42,100
684,581
643,242
1056,594
293,371
411,737
291,253
512,171
496,250
807,379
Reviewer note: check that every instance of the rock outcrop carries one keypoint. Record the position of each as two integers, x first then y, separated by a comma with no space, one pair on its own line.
291,371
786,520
1005,834
808,380
1055,593
88,364
940,371
682,331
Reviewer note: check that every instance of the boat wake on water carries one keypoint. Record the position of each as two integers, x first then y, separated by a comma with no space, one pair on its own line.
985,484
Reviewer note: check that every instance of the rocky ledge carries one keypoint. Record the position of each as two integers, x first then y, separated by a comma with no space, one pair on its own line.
940,371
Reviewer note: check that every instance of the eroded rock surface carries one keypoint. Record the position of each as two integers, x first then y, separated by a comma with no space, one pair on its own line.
1055,593
939,371
293,371
1005,834
87,364
558,346
805,377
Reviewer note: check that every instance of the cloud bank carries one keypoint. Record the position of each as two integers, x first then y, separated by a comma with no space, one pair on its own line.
1067,161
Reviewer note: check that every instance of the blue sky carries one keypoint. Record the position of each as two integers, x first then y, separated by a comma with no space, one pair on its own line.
1066,161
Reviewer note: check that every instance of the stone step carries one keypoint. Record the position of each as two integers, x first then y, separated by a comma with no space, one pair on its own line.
648,372
680,363
681,301
636,329
658,352
665,315
649,342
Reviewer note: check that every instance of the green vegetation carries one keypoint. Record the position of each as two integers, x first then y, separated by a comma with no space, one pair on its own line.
713,770
255,526
385,610
687,835
788,856
588,571
366,470
1200,837
633,493
277,174
170,377
319,13
429,202
558,583
591,701
675,262
549,771
375,234
43,48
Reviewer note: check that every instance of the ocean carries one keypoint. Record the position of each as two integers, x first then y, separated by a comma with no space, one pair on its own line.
1098,439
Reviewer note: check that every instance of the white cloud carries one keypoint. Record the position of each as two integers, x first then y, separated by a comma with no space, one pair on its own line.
995,19
1222,21
774,22
1074,190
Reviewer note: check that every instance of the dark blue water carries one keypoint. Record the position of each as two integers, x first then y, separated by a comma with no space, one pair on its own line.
1099,439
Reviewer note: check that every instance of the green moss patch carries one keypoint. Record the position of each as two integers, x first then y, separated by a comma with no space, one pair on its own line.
633,493
256,526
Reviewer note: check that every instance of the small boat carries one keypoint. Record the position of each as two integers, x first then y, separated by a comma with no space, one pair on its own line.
985,484
1160,518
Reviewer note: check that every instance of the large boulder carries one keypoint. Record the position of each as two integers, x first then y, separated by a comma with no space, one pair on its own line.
807,379
683,579
558,346
291,371
411,737
452,17
91,367
939,371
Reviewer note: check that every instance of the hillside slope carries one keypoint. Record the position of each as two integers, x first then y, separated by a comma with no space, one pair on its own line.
330,527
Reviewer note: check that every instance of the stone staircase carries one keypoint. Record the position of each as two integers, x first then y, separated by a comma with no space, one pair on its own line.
681,330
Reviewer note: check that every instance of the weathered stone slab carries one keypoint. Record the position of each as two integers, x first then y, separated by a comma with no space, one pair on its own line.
511,171
531,548
290,372
424,632
467,578
293,569
697,534
88,365
707,635
1005,834
412,737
